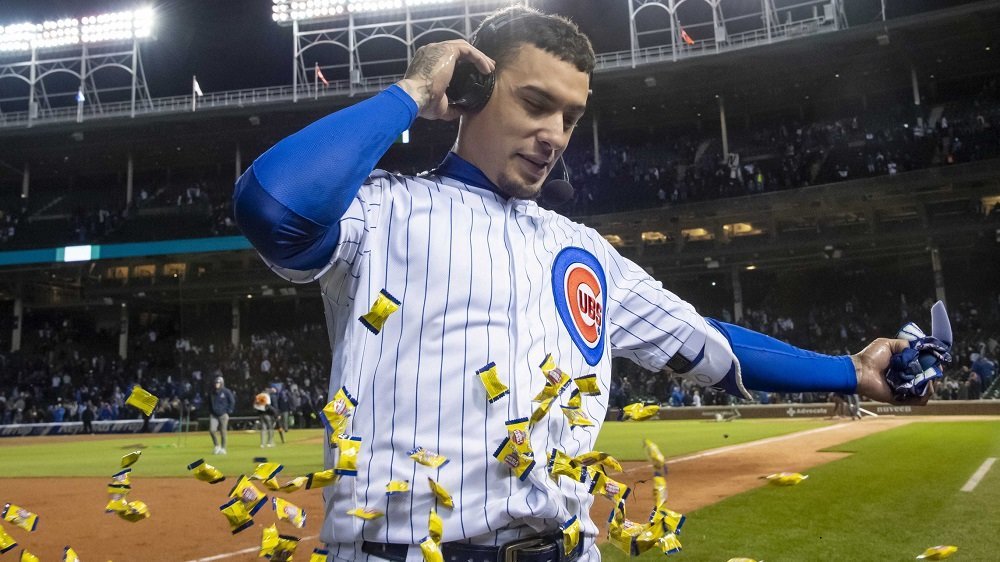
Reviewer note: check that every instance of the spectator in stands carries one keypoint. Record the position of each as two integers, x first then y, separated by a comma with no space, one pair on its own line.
222,402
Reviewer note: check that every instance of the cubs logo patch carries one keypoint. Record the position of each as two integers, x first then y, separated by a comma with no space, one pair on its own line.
580,291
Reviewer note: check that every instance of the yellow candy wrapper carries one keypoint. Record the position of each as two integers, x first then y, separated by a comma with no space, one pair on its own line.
520,463
556,380
272,484
785,478
622,533
134,512
70,555
603,485
597,458
116,498
285,549
435,526
587,385
427,458
639,411
299,482
431,550
939,552
540,412
7,542
266,471
670,521
237,515
19,516
338,412
547,364
206,472
571,535
383,306
366,513
131,458
659,489
561,464
319,555
397,487
441,494
320,479
517,430
669,544
575,400
122,477
28,557
268,541
287,511
142,400
553,389
577,417
244,490
654,455
495,389
347,460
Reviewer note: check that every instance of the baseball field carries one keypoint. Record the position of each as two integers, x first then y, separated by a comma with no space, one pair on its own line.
879,489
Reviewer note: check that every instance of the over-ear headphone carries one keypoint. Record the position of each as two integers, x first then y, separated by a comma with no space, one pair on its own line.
469,88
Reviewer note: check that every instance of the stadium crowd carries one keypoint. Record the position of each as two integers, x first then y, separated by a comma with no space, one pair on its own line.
785,154
62,381
62,378
630,173
839,330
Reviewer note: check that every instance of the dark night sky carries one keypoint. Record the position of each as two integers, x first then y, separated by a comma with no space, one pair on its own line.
233,44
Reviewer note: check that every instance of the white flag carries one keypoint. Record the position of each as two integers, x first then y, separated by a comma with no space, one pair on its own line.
197,88
79,96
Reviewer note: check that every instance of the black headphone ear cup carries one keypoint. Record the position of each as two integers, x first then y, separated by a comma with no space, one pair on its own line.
469,89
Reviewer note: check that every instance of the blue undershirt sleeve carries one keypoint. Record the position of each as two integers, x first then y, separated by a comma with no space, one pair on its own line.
774,366
291,199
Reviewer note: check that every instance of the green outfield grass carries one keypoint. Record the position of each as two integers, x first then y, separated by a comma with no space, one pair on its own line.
624,440
163,455
169,455
897,494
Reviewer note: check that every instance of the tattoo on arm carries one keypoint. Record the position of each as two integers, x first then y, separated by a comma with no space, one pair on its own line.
423,64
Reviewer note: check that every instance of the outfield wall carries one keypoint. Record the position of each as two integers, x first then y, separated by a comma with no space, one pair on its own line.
821,410
73,428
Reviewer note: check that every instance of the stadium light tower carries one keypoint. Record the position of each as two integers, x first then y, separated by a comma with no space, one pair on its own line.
349,25
36,53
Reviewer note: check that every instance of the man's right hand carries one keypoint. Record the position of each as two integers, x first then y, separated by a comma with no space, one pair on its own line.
430,72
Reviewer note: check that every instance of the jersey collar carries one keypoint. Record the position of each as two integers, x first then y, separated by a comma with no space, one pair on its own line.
458,168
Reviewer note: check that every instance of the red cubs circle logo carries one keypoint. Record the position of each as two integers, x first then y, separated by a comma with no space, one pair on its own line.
583,293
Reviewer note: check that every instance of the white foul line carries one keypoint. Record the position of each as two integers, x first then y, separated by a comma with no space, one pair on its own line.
731,448
979,474
238,552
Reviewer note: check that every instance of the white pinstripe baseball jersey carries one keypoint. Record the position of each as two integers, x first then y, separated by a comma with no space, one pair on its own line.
479,279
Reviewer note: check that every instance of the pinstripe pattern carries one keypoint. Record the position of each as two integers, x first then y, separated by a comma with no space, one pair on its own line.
473,273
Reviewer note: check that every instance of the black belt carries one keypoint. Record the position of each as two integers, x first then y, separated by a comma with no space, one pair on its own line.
545,548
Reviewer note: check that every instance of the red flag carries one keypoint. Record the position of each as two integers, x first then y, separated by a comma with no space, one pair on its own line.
687,38
319,74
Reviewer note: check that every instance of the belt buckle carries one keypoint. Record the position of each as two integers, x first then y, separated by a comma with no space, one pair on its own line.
509,552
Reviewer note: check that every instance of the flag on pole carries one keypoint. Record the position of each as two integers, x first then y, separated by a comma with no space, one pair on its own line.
196,88
687,38
79,96
319,74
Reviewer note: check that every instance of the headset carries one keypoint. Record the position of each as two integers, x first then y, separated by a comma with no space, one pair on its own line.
469,88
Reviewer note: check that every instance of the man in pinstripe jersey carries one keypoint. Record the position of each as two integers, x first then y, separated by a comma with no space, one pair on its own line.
429,281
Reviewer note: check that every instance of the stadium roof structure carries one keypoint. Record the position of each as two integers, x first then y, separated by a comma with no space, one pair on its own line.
368,49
